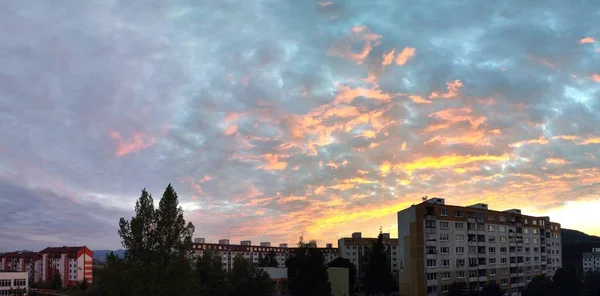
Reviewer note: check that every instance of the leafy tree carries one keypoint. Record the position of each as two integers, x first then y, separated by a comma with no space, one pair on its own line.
210,275
378,277
114,277
345,263
268,261
56,282
16,292
458,289
83,285
567,282
158,244
540,286
591,284
307,274
492,289
246,279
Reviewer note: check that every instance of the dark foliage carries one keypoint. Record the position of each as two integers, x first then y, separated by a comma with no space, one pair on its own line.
378,277
307,274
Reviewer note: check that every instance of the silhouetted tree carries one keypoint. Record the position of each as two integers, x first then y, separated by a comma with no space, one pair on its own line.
345,263
491,289
540,286
159,247
211,278
591,284
458,289
378,276
57,282
115,277
567,282
84,284
247,279
307,274
270,260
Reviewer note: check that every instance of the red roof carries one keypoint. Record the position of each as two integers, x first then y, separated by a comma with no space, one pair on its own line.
61,250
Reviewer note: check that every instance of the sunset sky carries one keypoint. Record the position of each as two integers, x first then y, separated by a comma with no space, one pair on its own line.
277,118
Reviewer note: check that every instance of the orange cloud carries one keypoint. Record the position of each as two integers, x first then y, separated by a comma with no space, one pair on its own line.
388,58
419,100
590,141
566,137
206,178
273,163
253,191
369,134
406,54
596,78
452,88
346,94
458,115
586,40
136,143
385,167
403,147
555,160
449,161
231,129
343,48
325,4
476,138
540,141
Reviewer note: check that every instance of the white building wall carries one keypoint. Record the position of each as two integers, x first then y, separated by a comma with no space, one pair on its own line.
13,280
80,267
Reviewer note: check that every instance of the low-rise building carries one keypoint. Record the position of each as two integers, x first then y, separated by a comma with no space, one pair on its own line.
74,264
339,278
12,280
21,261
356,247
591,260
228,252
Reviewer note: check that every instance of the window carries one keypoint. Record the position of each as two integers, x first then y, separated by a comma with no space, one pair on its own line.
492,250
503,260
491,228
459,213
445,288
526,221
491,217
472,249
503,239
534,222
443,212
443,225
534,231
526,240
492,260
460,237
526,230
460,262
431,263
504,282
444,250
459,225
493,272
460,274
503,249
502,218
504,271
431,289
460,250
445,263
491,239
445,275
535,241
431,276
443,237
502,228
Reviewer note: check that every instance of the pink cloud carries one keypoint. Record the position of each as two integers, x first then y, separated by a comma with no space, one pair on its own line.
135,143
406,54
586,40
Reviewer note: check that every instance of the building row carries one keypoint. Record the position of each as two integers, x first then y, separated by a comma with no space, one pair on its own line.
74,264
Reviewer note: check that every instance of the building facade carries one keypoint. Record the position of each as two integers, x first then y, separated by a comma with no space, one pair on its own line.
74,264
591,260
12,280
442,244
20,262
228,252
355,248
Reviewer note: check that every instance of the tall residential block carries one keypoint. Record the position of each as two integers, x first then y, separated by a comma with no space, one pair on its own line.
441,244
72,263
591,260
355,248
21,262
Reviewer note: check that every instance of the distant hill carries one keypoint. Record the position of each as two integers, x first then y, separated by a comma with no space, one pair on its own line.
574,244
100,255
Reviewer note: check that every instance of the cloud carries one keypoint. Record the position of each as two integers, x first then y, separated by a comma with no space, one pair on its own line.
322,118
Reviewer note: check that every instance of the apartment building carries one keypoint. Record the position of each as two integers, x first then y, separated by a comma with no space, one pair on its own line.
354,249
591,260
441,244
73,263
13,280
22,261
253,253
